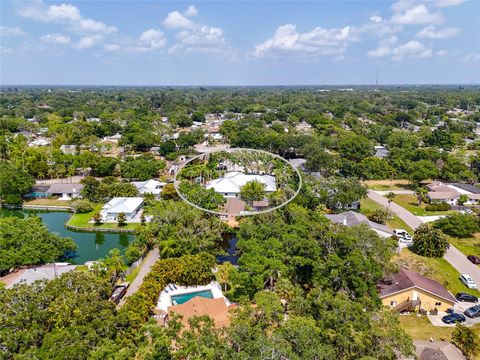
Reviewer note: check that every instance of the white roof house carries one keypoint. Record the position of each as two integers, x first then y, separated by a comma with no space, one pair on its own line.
230,184
130,206
149,187
40,142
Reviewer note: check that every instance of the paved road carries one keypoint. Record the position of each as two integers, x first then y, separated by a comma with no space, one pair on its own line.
453,255
462,264
410,219
146,266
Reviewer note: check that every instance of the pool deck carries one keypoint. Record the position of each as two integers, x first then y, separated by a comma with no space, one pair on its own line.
165,300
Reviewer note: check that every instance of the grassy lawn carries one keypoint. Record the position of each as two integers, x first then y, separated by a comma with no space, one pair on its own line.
47,202
385,185
437,269
410,203
420,328
367,206
82,220
468,246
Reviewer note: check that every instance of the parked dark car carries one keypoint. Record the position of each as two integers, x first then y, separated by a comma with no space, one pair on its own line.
473,311
453,318
466,297
474,259
118,293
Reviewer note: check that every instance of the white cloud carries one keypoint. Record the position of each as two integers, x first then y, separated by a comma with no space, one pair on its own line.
193,36
317,42
56,39
153,39
446,3
6,31
402,5
412,49
191,11
384,48
381,51
202,39
6,50
63,14
430,32
176,20
472,57
442,53
418,14
90,25
376,19
112,47
88,41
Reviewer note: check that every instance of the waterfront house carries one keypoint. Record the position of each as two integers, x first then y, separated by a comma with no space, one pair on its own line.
130,206
65,191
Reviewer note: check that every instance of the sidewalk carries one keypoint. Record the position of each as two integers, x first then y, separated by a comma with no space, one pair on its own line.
146,266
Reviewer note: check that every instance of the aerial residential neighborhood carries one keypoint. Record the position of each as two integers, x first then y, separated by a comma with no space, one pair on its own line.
230,180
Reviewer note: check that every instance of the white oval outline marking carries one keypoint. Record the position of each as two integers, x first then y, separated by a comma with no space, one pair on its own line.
249,213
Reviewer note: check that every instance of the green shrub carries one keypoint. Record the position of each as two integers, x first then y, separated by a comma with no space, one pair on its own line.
81,206
379,216
443,206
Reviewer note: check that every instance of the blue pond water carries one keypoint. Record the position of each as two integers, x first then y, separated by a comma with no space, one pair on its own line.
180,299
90,245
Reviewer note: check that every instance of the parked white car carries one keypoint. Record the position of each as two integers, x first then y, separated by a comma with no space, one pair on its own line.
468,281
403,235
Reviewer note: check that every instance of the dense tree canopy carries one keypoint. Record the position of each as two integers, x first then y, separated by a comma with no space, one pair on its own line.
28,242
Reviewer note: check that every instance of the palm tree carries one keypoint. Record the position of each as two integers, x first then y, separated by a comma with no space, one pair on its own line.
285,290
223,274
167,248
115,264
390,197
420,192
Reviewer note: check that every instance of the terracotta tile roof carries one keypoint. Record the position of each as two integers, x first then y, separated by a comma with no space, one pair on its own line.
216,309
406,279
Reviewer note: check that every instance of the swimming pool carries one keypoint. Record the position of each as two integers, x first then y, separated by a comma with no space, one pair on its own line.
183,298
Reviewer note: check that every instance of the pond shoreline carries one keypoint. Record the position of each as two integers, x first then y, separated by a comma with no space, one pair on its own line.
69,209
91,245
105,230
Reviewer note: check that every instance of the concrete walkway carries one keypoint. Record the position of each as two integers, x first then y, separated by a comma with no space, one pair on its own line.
145,268
453,255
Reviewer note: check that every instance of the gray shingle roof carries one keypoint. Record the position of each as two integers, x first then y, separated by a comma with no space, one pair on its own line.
352,218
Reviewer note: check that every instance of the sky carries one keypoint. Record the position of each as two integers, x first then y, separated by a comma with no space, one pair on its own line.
239,42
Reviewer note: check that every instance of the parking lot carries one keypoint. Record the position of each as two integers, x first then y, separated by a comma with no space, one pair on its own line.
459,307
